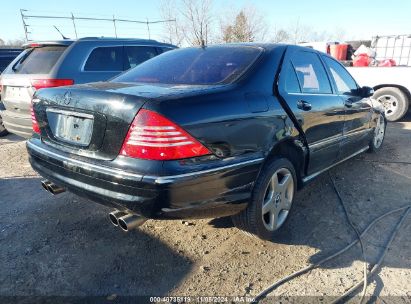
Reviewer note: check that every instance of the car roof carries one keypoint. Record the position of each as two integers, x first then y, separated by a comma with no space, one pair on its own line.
67,42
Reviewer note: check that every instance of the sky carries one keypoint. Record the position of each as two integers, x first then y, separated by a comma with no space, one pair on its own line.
353,19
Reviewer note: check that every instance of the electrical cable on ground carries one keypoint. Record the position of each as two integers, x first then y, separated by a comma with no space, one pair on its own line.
380,260
306,269
364,290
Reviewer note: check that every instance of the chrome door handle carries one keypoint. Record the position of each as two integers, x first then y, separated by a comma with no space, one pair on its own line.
348,103
303,105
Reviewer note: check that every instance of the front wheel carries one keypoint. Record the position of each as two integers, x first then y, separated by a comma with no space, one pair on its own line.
379,134
271,200
3,130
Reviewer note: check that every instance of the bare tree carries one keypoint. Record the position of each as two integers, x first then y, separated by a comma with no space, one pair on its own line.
12,43
197,17
173,31
281,35
247,26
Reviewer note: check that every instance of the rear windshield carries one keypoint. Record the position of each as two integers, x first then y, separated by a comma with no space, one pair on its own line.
194,66
39,60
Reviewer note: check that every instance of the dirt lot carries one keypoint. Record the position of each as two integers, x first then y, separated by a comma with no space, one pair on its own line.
65,246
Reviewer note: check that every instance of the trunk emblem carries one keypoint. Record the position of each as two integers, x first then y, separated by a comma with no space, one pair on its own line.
67,98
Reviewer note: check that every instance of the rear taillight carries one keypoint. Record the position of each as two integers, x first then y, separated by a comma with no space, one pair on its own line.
34,123
152,136
49,83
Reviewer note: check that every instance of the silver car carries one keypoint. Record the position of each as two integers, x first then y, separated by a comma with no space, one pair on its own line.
66,62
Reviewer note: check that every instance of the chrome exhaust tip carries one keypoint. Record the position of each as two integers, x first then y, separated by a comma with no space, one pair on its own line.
113,216
52,188
131,221
45,184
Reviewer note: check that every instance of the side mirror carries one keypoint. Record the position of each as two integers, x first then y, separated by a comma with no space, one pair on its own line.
366,92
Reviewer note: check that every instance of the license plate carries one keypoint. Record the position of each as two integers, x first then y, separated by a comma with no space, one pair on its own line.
71,127
15,93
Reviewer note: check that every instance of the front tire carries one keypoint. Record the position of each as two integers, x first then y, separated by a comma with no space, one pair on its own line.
3,130
271,200
394,101
379,134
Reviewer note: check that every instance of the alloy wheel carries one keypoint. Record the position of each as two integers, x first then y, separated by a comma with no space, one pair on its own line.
379,132
278,199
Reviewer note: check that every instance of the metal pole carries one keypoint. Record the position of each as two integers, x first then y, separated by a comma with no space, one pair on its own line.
74,25
115,28
148,30
24,24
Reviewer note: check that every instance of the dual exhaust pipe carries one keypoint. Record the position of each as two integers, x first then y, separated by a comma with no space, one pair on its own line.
52,188
125,220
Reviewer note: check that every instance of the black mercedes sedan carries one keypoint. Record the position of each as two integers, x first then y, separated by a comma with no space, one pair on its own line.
225,130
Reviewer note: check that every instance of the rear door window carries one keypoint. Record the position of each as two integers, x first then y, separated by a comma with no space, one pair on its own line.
344,82
134,55
289,80
311,73
39,60
105,59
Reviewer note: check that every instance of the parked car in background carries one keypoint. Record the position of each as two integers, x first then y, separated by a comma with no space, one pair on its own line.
7,55
66,62
229,130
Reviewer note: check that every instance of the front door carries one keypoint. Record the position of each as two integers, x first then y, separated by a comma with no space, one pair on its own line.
358,110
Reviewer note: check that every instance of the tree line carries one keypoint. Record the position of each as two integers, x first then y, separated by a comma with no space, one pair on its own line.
197,22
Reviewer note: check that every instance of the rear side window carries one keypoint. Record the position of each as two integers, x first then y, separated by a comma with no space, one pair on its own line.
343,80
39,60
194,66
134,55
105,59
311,73
289,79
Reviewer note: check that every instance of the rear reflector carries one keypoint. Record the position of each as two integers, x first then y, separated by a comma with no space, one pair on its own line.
34,123
152,136
49,83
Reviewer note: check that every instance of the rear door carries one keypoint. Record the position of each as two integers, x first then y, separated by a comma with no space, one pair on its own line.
358,110
305,86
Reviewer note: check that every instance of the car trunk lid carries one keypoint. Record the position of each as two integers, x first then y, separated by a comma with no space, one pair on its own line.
92,120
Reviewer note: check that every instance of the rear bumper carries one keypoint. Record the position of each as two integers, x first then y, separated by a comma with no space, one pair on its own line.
215,192
19,124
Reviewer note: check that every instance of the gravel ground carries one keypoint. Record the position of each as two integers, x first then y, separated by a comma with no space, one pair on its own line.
65,246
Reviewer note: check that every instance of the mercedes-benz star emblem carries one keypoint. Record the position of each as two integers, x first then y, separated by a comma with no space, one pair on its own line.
67,97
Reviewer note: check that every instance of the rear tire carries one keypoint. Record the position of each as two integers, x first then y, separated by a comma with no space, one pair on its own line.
3,130
271,200
395,102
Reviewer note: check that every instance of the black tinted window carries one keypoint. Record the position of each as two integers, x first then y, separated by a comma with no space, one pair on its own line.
105,59
343,80
138,54
289,79
194,66
311,73
39,60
